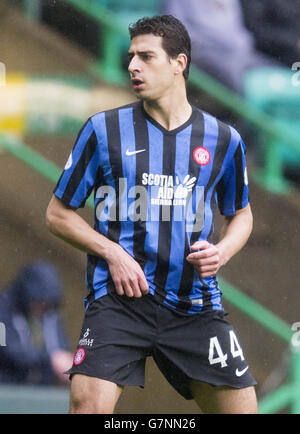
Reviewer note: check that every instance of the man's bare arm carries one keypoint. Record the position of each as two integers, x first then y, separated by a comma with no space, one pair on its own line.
66,224
209,258
235,233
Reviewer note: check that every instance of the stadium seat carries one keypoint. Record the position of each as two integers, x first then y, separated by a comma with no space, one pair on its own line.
129,11
115,46
272,91
132,8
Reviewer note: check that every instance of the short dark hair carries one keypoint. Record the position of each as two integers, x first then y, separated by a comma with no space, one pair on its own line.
176,39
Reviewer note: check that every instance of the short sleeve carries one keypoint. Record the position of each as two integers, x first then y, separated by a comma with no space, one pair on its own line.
78,178
232,189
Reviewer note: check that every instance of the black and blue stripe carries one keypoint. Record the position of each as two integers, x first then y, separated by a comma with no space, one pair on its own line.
114,153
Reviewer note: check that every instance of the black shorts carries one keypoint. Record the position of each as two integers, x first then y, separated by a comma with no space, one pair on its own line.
119,333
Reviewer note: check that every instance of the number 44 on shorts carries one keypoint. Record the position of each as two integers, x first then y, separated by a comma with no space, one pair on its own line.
216,354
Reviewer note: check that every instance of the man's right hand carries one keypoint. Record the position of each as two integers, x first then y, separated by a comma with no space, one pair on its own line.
128,276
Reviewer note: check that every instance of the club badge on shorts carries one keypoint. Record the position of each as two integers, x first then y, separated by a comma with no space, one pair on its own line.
79,356
201,156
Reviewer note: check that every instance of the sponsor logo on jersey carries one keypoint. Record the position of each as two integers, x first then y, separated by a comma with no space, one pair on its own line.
169,191
157,190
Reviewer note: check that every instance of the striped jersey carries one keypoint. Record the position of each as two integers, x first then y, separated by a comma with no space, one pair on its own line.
155,194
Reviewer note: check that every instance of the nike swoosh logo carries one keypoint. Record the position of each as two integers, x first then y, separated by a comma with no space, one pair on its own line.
240,373
129,153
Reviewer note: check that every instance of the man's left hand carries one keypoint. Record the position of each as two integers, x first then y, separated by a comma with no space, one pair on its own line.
205,257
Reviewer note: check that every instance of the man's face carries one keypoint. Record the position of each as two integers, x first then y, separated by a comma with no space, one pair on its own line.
151,70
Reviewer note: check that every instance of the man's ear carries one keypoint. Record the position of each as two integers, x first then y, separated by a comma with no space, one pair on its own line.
182,61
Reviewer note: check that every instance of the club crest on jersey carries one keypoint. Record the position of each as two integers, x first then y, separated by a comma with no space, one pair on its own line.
79,356
201,156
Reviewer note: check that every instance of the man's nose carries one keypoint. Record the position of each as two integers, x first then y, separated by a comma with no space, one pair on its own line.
134,65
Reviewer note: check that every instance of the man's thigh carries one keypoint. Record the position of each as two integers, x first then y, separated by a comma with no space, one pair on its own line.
90,395
224,399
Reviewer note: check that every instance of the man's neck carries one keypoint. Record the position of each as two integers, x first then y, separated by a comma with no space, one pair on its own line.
169,112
